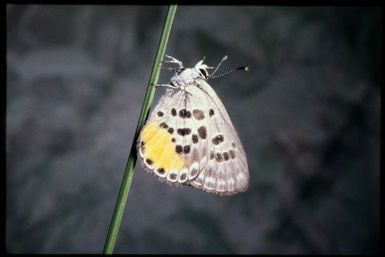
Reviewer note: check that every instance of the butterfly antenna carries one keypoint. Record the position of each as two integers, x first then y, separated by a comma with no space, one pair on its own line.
219,64
245,68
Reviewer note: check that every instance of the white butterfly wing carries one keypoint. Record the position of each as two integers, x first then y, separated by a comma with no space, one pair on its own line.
226,171
189,139
161,152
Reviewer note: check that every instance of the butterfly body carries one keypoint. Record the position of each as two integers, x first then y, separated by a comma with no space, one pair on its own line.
189,139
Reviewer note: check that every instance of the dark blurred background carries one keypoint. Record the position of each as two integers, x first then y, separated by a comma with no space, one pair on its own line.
308,113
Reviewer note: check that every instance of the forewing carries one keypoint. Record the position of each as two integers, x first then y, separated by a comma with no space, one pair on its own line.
169,144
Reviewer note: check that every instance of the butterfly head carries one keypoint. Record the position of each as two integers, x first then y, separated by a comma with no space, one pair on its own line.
188,76
199,71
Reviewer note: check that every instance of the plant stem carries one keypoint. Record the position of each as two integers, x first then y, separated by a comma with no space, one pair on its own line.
129,171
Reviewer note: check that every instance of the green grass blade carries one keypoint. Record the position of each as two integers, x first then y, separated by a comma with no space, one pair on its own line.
129,171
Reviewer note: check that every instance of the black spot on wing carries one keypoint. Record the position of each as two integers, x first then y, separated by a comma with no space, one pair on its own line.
218,139
183,113
198,114
183,176
218,157
202,132
178,149
184,131
186,149
149,161
163,125
194,138
232,154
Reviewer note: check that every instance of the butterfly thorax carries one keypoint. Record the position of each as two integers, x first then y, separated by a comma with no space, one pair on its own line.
189,76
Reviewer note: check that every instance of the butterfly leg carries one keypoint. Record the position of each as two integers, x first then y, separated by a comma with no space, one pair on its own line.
169,68
174,60
166,85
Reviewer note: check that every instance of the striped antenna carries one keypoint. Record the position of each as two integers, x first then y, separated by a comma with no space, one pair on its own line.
245,68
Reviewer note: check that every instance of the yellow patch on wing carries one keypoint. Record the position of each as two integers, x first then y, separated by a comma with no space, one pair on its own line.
159,149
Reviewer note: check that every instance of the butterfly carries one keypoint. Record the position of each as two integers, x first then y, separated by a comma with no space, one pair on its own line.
189,139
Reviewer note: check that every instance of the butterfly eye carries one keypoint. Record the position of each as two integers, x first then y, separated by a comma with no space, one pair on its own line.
204,73
179,71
